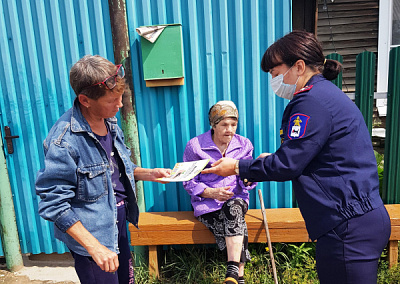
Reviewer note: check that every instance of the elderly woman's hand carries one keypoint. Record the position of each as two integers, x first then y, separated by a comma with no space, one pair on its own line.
223,167
219,193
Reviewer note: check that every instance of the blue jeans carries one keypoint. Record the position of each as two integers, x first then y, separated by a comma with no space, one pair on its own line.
350,252
90,273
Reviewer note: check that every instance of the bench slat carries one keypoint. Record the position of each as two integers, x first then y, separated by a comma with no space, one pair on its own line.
205,237
184,220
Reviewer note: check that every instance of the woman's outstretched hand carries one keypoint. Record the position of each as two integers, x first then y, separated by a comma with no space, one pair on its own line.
160,173
223,167
151,174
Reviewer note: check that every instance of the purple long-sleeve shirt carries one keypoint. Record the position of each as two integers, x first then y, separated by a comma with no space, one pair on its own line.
203,147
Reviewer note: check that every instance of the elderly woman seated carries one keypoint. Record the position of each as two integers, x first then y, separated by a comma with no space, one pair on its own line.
221,203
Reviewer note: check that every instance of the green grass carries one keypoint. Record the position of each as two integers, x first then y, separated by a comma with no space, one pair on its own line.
295,263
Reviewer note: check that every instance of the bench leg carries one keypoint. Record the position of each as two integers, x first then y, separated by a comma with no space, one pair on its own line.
153,262
393,252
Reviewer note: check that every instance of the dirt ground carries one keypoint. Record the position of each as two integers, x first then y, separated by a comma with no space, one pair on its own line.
41,269
9,277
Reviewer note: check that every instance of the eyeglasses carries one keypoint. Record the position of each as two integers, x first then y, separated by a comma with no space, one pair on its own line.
111,81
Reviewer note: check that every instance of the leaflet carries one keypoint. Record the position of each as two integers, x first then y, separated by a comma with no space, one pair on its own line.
186,171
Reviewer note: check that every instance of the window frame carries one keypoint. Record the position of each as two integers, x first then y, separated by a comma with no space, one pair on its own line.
384,43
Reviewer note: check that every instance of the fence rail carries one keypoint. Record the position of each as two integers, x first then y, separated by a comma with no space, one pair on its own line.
377,95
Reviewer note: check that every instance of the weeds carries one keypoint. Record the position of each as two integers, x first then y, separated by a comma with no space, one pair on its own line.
206,264
192,265
380,164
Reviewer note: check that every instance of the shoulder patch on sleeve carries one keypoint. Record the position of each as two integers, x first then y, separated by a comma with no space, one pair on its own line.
297,125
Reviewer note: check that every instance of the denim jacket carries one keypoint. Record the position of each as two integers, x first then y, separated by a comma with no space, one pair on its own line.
75,183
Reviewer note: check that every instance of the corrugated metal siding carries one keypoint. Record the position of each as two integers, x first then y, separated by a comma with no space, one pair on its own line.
348,27
39,42
223,44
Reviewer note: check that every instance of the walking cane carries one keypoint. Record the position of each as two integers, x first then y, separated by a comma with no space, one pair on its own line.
271,254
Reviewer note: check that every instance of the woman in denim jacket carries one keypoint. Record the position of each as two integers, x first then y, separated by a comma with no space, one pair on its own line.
87,185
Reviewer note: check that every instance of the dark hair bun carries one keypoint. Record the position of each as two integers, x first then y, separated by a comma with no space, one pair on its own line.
332,68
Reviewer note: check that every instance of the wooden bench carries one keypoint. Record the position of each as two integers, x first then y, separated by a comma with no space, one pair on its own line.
286,225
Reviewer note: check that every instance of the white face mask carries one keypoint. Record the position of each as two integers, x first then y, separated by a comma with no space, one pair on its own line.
281,89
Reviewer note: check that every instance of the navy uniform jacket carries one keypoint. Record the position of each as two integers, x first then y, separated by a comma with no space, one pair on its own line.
327,153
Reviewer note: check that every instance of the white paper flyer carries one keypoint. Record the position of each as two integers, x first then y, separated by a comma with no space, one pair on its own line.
186,170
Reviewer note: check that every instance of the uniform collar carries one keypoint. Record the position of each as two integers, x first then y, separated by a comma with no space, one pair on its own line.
308,86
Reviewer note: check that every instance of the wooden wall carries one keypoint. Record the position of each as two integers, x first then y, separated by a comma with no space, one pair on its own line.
348,27
303,15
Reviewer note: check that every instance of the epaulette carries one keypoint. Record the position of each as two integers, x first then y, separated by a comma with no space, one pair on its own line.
304,89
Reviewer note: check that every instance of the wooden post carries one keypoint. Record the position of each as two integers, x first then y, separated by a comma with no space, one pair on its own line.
393,252
153,261
119,28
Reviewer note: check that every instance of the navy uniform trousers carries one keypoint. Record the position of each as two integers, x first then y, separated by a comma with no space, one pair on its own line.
90,273
350,252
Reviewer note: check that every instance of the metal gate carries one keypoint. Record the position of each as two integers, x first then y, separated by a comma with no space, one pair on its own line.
39,42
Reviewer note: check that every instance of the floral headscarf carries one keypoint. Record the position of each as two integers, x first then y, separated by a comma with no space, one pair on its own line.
221,110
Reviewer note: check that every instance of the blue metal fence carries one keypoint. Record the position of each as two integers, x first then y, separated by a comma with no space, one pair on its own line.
39,42
223,45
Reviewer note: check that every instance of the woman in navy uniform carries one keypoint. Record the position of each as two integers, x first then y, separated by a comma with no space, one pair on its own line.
327,153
